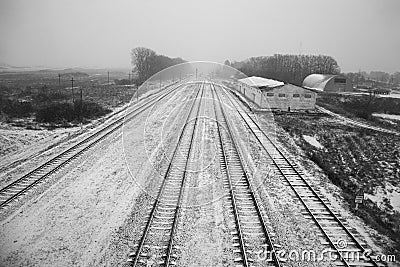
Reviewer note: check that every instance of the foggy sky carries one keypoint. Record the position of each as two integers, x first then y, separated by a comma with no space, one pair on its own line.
359,34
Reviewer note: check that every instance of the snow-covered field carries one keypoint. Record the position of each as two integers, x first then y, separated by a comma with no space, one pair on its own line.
93,212
76,220
389,192
394,94
386,116
23,149
312,141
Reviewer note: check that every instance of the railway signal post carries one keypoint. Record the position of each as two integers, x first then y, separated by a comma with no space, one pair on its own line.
359,198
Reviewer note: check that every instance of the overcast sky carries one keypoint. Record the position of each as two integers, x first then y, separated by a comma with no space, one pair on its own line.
359,34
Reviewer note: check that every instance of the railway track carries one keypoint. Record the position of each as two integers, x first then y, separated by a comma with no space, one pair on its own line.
252,232
20,187
156,244
345,249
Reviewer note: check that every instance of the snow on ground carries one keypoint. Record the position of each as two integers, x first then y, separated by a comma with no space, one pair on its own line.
292,230
205,240
18,144
318,179
21,150
16,140
71,223
386,116
313,141
394,94
94,212
388,192
76,221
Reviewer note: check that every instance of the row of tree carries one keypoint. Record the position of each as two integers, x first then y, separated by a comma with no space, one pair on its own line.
375,76
288,68
147,62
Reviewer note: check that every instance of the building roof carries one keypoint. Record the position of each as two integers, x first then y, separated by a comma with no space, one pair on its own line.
317,81
289,86
261,82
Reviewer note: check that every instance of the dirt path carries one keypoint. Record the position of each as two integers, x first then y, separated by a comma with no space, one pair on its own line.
354,122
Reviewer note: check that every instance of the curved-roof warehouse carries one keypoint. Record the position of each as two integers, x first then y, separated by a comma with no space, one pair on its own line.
327,83
317,81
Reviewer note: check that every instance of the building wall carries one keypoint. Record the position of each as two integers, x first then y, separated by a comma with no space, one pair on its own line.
282,98
289,97
251,93
337,87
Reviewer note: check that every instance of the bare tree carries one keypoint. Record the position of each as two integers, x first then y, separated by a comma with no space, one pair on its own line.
289,68
142,62
146,63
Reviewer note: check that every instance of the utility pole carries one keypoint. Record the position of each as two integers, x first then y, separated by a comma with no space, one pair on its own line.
129,74
81,107
108,78
59,80
72,86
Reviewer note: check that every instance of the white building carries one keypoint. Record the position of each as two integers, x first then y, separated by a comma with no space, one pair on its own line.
328,83
276,95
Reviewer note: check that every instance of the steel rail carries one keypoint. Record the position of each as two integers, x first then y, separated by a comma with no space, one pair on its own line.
106,131
136,256
321,201
251,190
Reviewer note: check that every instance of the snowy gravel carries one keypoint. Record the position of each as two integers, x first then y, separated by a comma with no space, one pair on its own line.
78,218
93,212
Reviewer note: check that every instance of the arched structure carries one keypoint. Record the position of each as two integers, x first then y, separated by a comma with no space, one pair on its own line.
328,83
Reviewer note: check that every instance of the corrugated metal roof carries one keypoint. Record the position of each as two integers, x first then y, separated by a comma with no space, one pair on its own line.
317,81
261,82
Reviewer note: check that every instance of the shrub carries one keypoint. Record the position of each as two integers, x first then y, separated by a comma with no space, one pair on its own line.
56,112
68,112
90,110
122,82
360,106
15,108
41,98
